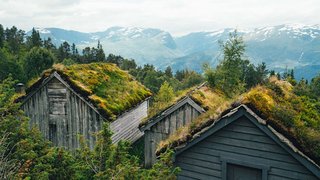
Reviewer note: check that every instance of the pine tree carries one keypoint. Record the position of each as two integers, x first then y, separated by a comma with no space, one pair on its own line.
168,72
15,39
2,37
74,49
47,43
34,40
37,60
64,51
100,56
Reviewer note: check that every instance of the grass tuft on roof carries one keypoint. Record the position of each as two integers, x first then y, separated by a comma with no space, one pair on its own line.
110,89
296,117
156,109
202,95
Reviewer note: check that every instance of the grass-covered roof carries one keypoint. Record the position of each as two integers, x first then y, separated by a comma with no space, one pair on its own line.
296,117
110,89
203,95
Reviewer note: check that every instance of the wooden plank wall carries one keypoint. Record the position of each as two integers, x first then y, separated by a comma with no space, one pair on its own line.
55,106
241,141
165,127
62,116
127,126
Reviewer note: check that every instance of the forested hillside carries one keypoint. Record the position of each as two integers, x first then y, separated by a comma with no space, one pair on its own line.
25,57
285,45
24,154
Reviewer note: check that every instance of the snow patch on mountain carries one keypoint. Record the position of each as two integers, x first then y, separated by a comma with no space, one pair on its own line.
43,30
278,46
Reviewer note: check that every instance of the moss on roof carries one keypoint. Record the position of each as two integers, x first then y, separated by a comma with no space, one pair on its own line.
296,117
110,89
156,110
202,95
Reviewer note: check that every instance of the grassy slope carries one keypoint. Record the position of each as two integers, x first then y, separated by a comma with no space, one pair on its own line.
109,88
298,118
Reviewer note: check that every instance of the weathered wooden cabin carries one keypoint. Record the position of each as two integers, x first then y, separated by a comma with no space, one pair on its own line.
70,101
164,123
241,145
162,126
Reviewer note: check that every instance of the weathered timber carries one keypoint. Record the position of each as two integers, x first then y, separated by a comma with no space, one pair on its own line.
175,117
62,116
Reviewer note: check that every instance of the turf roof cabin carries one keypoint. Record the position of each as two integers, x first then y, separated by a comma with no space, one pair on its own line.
72,100
181,111
236,143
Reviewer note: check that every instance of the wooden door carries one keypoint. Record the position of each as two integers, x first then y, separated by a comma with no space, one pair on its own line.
237,172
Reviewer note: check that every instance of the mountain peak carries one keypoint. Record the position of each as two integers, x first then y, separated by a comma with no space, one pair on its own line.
42,30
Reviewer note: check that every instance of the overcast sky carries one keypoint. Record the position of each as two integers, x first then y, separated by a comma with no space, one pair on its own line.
176,16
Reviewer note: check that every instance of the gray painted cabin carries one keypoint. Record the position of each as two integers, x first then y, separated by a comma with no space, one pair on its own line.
61,115
241,146
166,124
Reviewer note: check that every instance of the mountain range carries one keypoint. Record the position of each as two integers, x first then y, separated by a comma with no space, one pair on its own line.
283,46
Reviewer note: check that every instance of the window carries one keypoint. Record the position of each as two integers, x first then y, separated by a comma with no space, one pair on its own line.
240,169
238,172
53,133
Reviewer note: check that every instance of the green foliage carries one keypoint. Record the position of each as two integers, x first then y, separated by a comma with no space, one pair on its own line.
164,98
234,73
24,145
28,156
165,93
153,79
47,43
64,51
9,166
9,66
14,39
34,40
255,75
162,169
186,79
138,150
296,115
288,75
315,86
312,90
68,62
168,72
302,88
2,36
110,161
228,76
93,54
37,60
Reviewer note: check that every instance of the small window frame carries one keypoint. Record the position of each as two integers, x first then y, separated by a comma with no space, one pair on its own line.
224,161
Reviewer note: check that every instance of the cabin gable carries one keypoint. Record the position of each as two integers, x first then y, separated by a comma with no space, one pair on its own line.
62,115
175,117
242,144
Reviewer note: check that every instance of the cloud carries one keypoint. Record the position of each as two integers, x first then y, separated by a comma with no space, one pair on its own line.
176,16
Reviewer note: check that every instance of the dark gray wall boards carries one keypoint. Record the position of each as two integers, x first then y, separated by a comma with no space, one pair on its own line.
237,149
